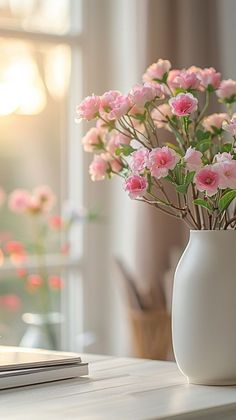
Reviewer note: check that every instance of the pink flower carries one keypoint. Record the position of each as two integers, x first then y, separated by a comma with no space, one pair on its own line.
139,160
207,179
106,102
136,186
160,116
92,140
116,165
120,107
209,77
157,70
171,77
55,282
186,80
101,126
115,141
227,89
55,222
141,94
98,168
161,160
193,159
214,120
12,302
45,197
34,281
227,173
183,104
222,157
19,200
35,205
88,109
230,126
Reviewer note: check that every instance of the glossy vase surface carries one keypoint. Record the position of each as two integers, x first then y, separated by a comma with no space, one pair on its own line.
204,308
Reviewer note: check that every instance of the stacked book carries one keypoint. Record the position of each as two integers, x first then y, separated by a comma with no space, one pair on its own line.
21,366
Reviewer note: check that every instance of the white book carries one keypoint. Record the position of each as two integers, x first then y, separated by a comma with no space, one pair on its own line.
20,366
21,358
23,377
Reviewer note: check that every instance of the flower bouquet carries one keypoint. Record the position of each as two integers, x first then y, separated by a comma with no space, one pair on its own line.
199,162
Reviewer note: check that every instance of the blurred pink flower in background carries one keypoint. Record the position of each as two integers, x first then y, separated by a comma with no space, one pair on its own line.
19,201
88,109
226,169
115,141
230,126
183,104
17,252
141,94
157,70
45,196
161,114
55,282
139,160
34,281
92,139
186,80
227,89
21,272
116,165
193,159
106,103
11,302
55,222
214,120
171,77
207,179
161,160
98,168
120,107
136,186
209,77
222,157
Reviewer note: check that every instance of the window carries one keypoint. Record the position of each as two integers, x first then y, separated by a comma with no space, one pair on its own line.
40,49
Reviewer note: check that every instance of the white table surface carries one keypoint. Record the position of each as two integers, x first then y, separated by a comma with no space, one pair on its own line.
120,388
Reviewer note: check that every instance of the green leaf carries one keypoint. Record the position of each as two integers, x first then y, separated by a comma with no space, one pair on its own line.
189,177
203,203
125,150
227,198
226,147
202,135
182,188
203,145
187,181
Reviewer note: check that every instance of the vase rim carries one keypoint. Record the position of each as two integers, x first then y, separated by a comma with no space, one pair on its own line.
210,231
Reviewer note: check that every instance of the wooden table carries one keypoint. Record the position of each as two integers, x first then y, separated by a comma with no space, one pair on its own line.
120,388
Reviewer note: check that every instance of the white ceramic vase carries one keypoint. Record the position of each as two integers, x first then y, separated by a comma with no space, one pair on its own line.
204,308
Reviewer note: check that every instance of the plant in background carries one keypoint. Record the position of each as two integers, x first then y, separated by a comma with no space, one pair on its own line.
47,233
199,163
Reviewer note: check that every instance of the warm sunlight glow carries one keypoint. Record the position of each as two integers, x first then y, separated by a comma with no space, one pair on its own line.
8,101
21,88
57,71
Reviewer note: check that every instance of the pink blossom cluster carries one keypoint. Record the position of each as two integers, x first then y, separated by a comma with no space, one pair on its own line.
41,199
132,137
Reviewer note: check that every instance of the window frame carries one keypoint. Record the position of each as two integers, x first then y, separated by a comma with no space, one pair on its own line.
72,294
